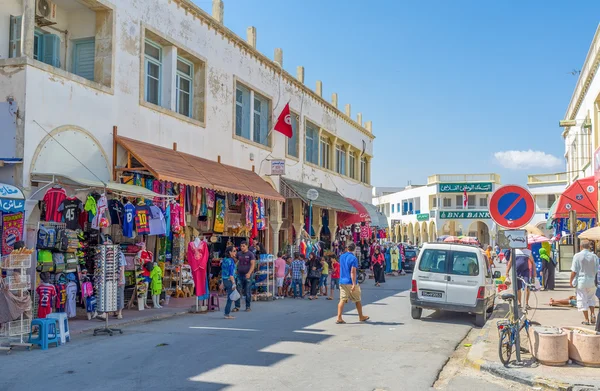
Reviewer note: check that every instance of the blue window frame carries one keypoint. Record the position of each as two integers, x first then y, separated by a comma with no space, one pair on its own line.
83,57
38,45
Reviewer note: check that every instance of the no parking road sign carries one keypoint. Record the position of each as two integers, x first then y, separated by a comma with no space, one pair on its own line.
512,206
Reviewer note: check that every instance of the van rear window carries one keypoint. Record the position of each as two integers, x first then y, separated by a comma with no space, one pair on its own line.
464,264
433,261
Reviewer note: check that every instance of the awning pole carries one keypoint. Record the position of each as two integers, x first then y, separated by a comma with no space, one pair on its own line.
43,187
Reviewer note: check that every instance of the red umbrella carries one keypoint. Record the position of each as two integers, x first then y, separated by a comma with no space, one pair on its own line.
469,240
451,239
581,196
533,238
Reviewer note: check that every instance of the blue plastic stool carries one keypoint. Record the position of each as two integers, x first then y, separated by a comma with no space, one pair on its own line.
63,326
48,333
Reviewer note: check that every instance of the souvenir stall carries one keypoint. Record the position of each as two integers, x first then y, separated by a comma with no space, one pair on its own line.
212,204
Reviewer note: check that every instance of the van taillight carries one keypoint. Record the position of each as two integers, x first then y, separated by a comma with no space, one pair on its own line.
481,292
414,286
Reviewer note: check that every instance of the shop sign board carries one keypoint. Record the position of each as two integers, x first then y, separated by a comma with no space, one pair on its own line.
512,238
464,214
423,217
278,167
483,187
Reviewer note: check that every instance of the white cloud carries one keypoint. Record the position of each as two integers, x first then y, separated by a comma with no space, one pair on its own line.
522,160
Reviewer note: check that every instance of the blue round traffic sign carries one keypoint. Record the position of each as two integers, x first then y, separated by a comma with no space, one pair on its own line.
512,206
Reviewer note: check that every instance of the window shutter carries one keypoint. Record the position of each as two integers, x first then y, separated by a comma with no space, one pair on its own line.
83,59
51,53
14,49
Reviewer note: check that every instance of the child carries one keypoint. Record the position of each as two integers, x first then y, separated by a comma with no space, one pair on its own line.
155,282
324,275
46,295
335,276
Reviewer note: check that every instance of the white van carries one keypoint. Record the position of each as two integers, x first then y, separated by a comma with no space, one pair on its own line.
453,277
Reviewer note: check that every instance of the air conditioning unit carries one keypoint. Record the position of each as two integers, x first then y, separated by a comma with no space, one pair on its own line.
45,12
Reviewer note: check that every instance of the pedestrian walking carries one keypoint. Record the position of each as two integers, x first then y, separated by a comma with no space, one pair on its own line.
314,276
279,274
245,268
548,270
349,290
228,277
324,276
584,272
377,265
335,276
298,271
525,270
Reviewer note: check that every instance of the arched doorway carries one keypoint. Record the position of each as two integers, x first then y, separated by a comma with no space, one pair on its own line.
424,233
481,231
453,228
411,235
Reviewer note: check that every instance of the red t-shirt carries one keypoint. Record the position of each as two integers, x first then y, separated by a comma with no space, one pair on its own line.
335,273
53,198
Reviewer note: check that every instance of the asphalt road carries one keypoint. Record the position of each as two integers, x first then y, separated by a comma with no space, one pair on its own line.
285,344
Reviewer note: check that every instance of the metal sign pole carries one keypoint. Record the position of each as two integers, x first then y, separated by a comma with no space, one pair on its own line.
309,228
515,301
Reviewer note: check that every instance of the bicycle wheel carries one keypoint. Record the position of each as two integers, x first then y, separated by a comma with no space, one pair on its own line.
505,347
361,277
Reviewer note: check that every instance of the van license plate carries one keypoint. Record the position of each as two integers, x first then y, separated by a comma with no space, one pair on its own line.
437,295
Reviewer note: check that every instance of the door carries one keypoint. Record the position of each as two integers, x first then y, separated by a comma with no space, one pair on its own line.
431,275
463,276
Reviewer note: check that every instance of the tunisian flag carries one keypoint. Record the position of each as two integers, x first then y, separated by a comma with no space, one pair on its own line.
284,122
465,198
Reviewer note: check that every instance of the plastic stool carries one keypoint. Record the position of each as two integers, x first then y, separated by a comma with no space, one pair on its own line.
63,326
47,334
213,302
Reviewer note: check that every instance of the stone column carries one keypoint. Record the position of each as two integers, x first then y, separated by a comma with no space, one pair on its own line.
348,159
275,224
28,28
169,81
103,60
317,221
334,163
332,223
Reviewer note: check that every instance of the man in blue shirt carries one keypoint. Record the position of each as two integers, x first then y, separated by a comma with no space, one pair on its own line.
348,288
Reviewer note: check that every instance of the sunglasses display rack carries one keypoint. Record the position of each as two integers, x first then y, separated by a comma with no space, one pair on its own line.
106,278
19,282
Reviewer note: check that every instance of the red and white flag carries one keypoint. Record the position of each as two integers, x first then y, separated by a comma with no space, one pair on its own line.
465,199
284,122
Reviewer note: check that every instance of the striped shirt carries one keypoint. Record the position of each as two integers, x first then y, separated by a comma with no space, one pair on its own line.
53,198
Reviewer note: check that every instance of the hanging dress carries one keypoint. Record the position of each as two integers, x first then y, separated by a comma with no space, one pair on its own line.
197,258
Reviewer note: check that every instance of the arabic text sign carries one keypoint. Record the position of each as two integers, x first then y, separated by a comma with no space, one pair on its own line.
423,217
465,214
483,187
514,238
11,206
11,192
278,167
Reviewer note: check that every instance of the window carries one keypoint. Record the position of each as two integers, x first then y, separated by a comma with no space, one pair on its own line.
325,149
551,200
471,201
153,66
447,202
352,165
242,111
15,36
363,170
83,57
459,201
464,264
392,208
261,119
311,146
340,159
483,202
292,145
398,207
434,202
184,82
433,261
38,46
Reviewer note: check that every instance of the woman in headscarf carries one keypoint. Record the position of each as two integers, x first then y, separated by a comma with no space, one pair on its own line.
377,265
548,270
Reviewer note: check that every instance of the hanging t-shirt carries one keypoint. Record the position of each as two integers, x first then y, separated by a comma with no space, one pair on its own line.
128,221
101,207
46,293
70,209
142,215
53,198
157,222
175,215
115,209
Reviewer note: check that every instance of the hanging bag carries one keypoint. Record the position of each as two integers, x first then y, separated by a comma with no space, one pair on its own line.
235,295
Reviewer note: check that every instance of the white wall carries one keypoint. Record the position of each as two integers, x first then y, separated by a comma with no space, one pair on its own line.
54,101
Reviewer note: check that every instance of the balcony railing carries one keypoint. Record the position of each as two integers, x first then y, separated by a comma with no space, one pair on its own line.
462,178
538,179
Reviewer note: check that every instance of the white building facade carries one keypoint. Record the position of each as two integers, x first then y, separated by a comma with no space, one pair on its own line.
545,188
422,213
168,74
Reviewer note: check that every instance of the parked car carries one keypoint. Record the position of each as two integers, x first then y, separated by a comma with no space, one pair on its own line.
453,277
410,253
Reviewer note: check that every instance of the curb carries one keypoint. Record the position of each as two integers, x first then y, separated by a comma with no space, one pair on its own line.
132,322
499,370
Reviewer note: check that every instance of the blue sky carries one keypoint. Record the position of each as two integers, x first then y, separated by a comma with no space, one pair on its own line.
447,84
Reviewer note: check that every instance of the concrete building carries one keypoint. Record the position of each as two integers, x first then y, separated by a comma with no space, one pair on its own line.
422,213
80,77
582,119
545,188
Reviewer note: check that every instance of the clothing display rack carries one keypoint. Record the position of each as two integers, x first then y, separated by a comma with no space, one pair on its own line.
106,278
265,278
19,282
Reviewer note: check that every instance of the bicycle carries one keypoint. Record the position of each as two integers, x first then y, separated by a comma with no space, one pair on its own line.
509,327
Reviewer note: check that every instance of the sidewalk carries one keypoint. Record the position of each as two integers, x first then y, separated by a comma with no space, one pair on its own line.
483,354
80,324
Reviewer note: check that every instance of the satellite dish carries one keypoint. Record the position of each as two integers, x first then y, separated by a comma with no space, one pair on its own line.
312,194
